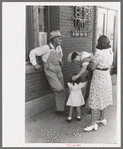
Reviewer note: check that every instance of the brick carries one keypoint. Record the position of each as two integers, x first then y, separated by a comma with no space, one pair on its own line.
36,83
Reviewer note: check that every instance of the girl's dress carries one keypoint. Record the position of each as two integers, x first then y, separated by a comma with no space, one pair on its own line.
100,95
75,98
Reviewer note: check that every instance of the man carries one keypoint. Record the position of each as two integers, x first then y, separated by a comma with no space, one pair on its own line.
84,58
52,57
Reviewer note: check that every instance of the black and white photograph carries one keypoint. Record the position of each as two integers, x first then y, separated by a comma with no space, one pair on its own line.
61,76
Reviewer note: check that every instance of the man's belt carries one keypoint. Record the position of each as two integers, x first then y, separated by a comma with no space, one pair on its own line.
103,69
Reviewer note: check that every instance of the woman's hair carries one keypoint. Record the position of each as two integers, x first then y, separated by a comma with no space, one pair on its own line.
76,81
103,42
73,56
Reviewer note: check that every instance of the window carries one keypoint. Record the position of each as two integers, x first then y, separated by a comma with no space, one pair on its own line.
40,21
36,33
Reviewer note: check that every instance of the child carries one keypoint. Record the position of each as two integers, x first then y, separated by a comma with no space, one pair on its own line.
76,98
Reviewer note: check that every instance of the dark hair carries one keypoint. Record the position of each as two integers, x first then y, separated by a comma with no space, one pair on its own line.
103,42
76,81
74,54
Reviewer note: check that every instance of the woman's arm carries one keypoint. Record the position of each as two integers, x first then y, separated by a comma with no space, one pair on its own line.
84,66
93,65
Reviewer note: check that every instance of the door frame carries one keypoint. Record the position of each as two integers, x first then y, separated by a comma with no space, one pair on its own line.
107,12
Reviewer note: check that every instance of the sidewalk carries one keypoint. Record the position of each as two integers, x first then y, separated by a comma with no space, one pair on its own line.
49,128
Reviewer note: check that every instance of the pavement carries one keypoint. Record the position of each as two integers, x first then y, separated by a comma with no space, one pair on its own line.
51,128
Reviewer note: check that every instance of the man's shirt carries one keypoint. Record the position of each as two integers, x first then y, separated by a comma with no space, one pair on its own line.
44,51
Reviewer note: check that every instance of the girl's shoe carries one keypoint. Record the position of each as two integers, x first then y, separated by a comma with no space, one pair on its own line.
79,119
89,128
68,120
104,121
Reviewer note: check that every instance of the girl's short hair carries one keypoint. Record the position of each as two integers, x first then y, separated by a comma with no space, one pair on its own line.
76,81
103,42
73,56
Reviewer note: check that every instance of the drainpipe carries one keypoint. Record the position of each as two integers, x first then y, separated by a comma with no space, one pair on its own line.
95,29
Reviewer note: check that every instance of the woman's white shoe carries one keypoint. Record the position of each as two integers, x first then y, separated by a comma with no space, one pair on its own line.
104,121
89,128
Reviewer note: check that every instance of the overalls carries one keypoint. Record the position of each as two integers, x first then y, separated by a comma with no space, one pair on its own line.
54,75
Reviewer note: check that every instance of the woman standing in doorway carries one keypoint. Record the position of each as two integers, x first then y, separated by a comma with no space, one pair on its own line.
100,96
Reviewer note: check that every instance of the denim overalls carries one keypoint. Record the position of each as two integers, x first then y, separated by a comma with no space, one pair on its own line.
54,75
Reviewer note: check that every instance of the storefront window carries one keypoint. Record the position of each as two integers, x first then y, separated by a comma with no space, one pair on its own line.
36,34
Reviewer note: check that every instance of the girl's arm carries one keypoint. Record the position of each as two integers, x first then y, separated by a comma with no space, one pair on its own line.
69,85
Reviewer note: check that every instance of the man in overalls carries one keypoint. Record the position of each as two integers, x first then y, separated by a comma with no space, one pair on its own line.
52,57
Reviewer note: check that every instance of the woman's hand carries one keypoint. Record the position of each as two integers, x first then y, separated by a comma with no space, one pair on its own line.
89,65
37,66
75,77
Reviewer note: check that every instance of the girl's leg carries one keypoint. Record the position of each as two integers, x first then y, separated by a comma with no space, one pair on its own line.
70,112
79,112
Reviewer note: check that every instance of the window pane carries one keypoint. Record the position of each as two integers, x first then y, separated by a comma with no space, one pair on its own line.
100,30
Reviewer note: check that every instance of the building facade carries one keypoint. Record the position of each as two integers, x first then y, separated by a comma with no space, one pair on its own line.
80,26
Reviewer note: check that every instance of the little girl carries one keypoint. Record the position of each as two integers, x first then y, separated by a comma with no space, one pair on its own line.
76,98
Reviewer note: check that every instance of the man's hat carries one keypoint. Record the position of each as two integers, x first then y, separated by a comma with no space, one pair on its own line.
55,34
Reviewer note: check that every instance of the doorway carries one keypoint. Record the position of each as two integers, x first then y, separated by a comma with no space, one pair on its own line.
107,25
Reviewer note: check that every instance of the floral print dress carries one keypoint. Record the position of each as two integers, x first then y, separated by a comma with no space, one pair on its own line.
100,95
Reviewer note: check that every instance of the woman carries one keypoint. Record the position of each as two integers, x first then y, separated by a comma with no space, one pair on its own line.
100,96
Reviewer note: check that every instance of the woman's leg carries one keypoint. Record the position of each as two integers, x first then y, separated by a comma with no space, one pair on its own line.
93,116
102,114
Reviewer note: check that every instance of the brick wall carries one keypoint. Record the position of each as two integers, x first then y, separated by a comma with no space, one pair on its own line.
36,82
70,43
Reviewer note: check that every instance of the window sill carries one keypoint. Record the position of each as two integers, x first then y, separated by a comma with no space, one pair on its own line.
30,69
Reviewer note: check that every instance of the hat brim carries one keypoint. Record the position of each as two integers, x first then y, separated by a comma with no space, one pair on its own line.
55,37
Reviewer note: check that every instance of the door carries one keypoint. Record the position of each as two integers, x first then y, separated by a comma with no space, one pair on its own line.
102,21
107,25
112,32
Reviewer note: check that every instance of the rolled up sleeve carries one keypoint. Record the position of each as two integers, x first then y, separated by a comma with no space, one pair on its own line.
37,52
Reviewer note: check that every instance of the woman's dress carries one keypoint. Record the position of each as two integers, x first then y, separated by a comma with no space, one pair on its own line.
100,95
